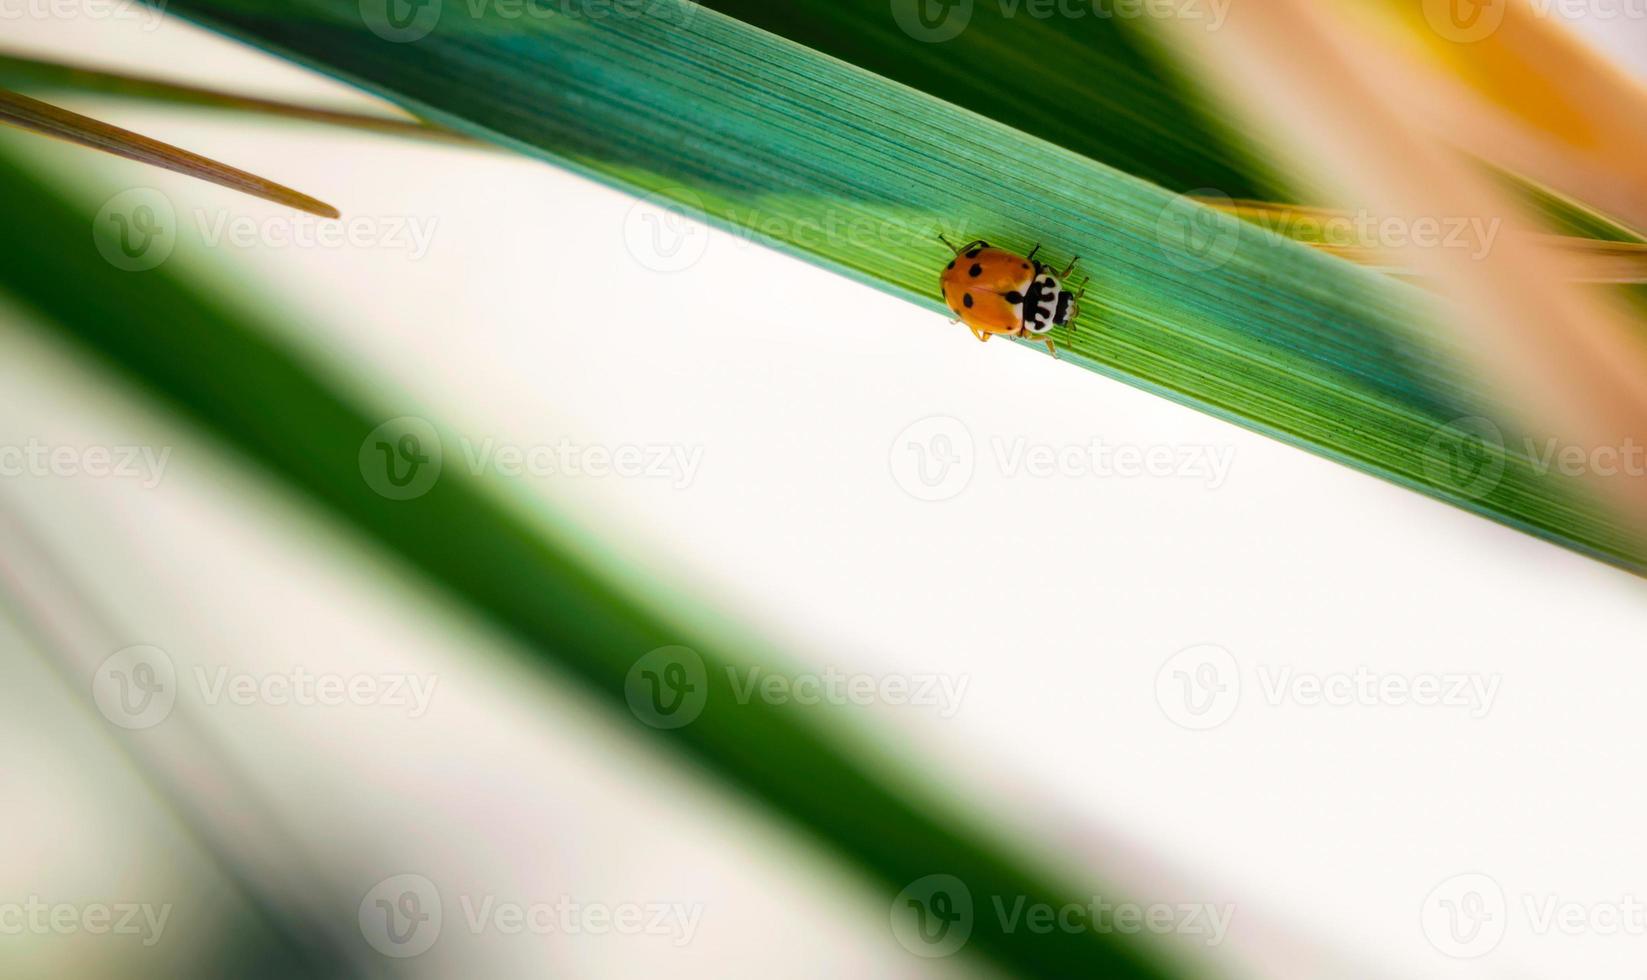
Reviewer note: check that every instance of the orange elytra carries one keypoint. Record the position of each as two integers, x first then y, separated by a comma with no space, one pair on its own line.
994,291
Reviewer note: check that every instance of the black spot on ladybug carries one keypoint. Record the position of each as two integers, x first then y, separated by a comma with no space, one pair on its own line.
951,265
967,299
974,253
975,271
1015,297
1026,265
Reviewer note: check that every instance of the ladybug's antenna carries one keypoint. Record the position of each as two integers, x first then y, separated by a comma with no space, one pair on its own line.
952,248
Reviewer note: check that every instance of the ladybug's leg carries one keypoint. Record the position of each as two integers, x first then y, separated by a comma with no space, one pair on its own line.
983,338
1042,339
1075,303
1065,274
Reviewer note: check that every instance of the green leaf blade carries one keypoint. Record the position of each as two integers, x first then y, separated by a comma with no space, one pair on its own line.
748,129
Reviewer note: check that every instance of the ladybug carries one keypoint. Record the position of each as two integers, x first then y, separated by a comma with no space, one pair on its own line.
994,291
